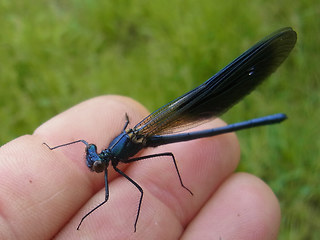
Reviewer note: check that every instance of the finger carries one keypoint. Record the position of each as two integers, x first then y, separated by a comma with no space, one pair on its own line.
41,189
203,165
244,207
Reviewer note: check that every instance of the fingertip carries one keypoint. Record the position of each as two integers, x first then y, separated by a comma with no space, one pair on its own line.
244,207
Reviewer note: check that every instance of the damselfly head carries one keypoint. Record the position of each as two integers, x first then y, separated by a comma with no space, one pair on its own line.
94,162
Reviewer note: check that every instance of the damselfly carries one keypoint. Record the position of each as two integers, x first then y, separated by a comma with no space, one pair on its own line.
209,100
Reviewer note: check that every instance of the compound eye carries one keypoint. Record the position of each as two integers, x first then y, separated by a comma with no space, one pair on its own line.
98,166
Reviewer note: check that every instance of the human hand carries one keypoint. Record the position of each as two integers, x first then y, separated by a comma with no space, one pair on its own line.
44,194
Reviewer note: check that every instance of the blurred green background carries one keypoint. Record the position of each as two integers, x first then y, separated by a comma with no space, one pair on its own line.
54,54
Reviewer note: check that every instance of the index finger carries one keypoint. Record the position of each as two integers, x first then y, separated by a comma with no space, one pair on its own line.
62,182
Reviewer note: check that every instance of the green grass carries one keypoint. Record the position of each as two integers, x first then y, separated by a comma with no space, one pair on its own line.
54,54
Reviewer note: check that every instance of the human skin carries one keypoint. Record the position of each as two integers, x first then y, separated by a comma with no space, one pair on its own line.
44,193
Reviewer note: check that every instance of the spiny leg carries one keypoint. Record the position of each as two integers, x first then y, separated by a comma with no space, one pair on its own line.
66,144
138,187
170,154
127,122
105,200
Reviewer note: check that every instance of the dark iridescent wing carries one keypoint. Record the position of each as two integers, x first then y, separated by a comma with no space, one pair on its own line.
224,89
